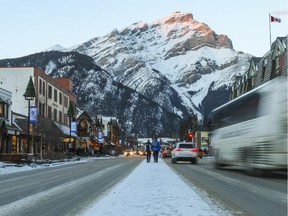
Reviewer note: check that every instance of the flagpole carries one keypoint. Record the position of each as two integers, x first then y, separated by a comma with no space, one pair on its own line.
270,29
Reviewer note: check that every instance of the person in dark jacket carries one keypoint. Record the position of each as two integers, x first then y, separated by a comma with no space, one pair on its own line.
148,151
155,147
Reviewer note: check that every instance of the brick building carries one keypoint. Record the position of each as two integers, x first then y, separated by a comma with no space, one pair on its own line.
52,99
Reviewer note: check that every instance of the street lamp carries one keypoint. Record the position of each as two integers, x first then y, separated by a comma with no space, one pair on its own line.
29,95
70,114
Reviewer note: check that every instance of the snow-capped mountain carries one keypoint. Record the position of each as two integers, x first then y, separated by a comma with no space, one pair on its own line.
98,93
56,47
175,61
151,74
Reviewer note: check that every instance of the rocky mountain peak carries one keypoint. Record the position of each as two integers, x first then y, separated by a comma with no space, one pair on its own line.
167,59
177,65
178,17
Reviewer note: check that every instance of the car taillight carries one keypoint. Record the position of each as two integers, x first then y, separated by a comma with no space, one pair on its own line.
195,150
178,149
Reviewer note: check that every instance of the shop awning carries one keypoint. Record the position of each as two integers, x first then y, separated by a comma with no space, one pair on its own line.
10,129
95,139
65,129
13,129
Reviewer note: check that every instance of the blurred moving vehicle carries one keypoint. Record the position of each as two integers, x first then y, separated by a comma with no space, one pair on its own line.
251,130
141,152
128,152
184,151
167,151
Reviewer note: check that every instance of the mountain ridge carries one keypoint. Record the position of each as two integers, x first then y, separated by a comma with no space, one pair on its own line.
180,64
139,54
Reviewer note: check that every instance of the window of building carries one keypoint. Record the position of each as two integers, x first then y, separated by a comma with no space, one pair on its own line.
40,86
60,98
65,101
60,116
55,114
264,69
41,109
50,92
49,112
66,120
273,69
263,72
55,95
249,84
278,51
2,109
44,88
277,65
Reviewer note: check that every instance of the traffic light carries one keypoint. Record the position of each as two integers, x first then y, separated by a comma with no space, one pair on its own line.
190,136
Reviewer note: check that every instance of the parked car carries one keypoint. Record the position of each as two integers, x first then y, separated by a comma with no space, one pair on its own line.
167,152
128,152
184,151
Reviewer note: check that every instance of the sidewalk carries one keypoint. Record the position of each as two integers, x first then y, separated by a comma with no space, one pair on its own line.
152,189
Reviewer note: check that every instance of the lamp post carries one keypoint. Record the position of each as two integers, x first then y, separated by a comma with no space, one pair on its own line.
98,127
128,130
29,95
70,114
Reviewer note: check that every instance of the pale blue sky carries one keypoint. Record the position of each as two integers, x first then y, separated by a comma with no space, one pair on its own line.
30,26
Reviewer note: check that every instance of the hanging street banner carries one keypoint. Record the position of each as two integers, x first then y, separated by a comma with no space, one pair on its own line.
100,135
33,114
73,126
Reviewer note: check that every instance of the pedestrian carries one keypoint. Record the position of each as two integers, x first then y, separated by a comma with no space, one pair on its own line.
148,151
155,147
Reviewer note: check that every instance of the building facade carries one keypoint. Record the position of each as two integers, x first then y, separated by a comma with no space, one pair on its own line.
8,133
52,99
52,94
273,64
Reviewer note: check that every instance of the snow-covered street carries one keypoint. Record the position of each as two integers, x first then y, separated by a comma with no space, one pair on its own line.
151,189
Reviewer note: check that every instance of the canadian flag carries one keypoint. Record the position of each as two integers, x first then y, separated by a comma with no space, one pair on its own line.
275,19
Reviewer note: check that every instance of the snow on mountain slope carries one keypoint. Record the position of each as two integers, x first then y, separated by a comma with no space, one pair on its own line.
175,56
164,70
56,47
176,61
201,58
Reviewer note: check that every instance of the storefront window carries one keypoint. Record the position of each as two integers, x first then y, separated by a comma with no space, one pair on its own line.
2,109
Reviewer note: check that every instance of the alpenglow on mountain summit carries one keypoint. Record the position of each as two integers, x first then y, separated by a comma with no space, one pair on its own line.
177,63
174,57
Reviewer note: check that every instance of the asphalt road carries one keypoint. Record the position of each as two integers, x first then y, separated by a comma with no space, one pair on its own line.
237,191
67,190
63,190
